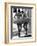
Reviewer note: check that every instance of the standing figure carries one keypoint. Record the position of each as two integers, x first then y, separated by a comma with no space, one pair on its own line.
25,22
19,22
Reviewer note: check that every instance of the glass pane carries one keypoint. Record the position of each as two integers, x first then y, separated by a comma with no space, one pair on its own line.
21,23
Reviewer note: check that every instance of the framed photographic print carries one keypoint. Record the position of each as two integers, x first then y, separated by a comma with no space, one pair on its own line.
20,23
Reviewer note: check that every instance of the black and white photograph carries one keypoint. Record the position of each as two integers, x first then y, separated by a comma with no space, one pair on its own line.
21,22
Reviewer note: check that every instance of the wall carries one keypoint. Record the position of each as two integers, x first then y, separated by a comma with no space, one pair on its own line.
2,22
